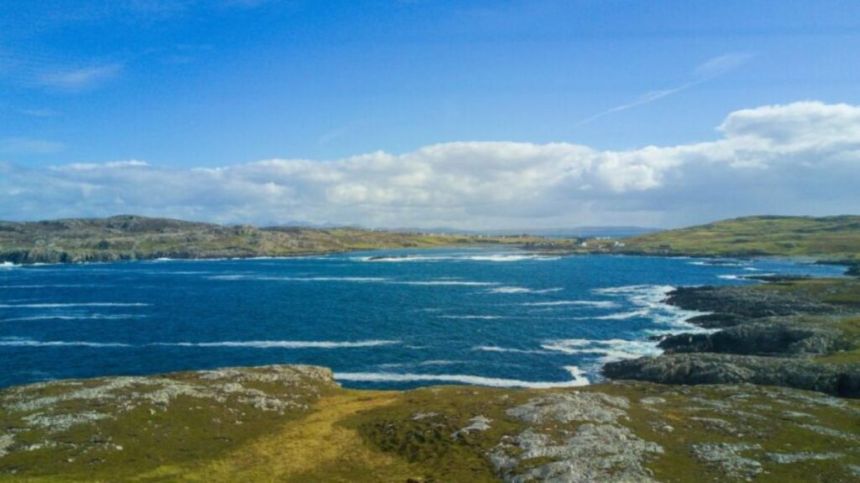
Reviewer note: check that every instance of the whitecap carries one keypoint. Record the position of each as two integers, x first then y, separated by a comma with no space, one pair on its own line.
19,342
590,303
432,362
7,265
495,348
509,258
578,379
516,290
76,317
730,277
610,350
624,315
83,304
283,344
496,257
470,317
650,302
65,285
347,279
452,283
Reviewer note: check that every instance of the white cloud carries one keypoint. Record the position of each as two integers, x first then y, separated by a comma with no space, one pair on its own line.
799,158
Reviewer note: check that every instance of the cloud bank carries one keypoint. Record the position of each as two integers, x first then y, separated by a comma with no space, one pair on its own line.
799,158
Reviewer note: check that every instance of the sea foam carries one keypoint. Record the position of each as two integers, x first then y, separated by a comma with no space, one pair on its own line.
578,379
283,344
83,304
589,303
609,350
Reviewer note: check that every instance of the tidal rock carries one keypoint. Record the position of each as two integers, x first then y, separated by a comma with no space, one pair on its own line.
758,339
703,368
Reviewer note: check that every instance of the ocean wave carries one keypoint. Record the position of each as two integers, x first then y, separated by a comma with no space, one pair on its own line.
649,301
82,304
64,285
500,257
718,263
625,315
8,265
510,258
19,342
744,276
515,290
730,277
432,362
441,282
578,379
590,303
77,317
495,348
609,350
299,279
283,344
469,317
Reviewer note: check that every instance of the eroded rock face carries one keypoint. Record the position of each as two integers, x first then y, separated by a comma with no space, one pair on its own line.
758,339
706,368
745,303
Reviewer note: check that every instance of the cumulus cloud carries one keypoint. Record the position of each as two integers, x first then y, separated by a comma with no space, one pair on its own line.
799,158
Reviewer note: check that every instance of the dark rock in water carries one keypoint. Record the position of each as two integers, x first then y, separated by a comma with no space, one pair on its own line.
758,339
746,303
716,321
777,278
700,368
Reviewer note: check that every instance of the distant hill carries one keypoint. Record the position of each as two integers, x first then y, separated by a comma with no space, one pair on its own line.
130,237
831,237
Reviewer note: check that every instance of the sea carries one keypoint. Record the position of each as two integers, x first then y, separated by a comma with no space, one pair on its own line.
389,319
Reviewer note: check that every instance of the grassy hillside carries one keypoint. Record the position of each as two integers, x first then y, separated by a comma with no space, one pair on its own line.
292,423
834,237
135,237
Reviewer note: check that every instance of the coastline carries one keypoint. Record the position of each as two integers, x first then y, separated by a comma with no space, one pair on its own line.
776,333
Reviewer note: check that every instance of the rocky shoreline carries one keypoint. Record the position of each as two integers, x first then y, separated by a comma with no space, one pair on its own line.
294,423
778,333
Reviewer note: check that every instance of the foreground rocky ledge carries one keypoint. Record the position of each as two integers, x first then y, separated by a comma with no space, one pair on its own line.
295,423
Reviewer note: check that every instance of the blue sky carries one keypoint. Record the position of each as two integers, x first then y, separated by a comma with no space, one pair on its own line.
183,84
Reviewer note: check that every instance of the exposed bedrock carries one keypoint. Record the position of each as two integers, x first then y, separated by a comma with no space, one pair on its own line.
738,303
766,339
704,368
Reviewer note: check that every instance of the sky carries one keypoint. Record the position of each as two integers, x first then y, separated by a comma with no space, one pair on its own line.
422,113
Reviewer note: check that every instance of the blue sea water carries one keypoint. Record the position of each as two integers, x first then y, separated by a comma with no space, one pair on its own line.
389,319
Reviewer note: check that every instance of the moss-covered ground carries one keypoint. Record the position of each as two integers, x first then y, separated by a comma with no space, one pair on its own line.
206,428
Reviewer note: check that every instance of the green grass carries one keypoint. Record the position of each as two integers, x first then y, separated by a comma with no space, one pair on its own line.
833,238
